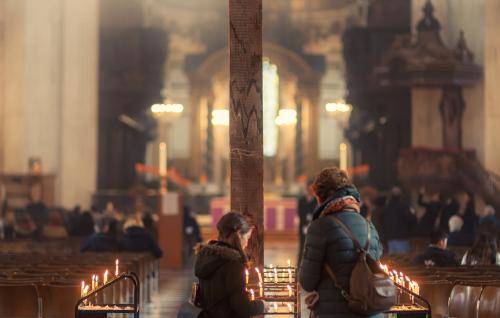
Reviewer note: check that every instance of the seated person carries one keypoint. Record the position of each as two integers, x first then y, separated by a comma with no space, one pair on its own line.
9,225
457,237
485,250
84,224
101,240
436,254
137,239
55,228
26,227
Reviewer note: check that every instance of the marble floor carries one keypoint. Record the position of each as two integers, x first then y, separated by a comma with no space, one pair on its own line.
175,286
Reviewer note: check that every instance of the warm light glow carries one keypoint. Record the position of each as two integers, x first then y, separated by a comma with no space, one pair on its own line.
261,290
162,149
258,273
339,106
343,156
105,277
286,117
290,291
220,117
246,276
252,293
167,108
290,308
117,262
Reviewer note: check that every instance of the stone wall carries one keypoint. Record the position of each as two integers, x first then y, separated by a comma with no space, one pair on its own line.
49,101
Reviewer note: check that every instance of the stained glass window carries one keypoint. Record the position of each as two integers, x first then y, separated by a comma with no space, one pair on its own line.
271,83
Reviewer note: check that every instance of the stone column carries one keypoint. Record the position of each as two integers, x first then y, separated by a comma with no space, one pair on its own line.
491,82
246,147
78,117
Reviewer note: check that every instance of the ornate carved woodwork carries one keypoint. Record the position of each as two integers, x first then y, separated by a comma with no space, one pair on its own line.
452,108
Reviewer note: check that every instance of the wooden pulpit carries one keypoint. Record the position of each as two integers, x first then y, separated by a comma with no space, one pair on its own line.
170,230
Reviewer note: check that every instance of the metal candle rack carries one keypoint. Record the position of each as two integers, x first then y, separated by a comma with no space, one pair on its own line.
412,309
85,309
281,291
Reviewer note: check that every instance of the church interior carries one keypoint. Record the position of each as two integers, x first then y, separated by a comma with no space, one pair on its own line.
130,128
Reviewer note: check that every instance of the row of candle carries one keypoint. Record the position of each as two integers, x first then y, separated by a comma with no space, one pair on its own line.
261,291
275,276
86,289
401,279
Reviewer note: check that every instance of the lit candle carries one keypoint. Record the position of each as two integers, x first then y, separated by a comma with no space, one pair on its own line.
117,263
290,275
258,273
261,290
252,294
163,159
290,308
417,288
83,288
290,291
247,274
93,281
275,276
96,281
105,277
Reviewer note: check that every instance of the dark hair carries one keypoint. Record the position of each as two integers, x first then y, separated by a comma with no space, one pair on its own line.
438,235
329,181
484,250
229,226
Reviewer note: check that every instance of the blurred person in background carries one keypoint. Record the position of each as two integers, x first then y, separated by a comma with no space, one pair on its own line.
398,223
433,206
488,215
37,209
306,206
9,225
450,208
457,237
437,254
137,239
468,213
192,233
100,241
26,227
55,227
485,249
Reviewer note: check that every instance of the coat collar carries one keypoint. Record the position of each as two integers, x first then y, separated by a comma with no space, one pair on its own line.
220,249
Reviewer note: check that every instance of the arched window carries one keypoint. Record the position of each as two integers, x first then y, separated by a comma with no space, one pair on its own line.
271,87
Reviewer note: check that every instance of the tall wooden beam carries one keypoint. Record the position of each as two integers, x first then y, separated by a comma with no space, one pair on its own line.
245,127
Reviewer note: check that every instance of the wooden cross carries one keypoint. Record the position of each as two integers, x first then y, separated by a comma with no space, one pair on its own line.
245,126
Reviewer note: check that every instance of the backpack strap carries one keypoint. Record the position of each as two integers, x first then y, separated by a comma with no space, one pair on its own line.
349,233
330,273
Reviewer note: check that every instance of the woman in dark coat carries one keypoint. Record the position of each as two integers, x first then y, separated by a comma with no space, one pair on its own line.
327,243
220,266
